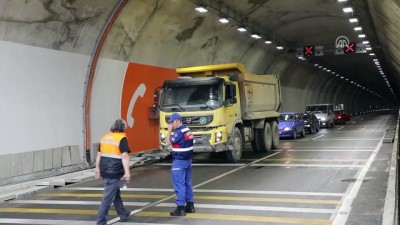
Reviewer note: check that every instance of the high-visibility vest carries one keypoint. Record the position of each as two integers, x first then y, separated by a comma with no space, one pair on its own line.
109,145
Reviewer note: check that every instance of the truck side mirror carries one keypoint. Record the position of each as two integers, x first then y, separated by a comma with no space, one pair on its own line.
156,97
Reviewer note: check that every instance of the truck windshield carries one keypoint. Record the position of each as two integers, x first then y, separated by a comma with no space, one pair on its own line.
190,96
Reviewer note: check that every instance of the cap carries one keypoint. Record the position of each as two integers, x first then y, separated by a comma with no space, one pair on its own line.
174,116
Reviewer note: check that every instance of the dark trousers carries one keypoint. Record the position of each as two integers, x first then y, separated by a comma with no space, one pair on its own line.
111,194
181,172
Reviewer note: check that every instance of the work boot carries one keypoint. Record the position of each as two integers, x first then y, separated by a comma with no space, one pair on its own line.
179,211
190,207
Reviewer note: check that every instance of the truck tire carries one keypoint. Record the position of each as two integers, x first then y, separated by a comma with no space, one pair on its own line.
237,142
267,137
264,138
275,135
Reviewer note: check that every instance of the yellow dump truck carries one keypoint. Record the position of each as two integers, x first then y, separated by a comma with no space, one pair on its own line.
224,106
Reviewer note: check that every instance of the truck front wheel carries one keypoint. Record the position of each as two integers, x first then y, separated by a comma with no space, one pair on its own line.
237,143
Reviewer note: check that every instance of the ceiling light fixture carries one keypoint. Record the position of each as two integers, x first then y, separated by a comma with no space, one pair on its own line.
242,29
279,47
255,36
342,0
201,8
365,42
357,28
223,19
353,20
361,35
347,9
268,42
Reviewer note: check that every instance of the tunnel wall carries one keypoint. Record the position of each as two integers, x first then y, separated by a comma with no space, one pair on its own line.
48,46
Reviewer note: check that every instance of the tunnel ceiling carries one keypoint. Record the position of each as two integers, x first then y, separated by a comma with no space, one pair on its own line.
299,23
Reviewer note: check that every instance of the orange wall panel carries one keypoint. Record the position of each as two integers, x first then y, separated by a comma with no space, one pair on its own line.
137,97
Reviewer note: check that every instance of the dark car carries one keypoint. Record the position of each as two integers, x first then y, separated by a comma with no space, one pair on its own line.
341,117
311,123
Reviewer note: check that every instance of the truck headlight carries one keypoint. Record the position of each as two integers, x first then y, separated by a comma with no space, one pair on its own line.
218,136
162,137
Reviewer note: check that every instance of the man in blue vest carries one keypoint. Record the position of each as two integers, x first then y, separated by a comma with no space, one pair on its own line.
181,171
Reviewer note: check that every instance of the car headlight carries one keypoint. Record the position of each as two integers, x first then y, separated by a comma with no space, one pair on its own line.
287,128
323,118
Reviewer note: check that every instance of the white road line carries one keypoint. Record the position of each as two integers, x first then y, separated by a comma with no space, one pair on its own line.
349,139
270,165
390,200
212,191
200,206
63,222
52,222
328,150
342,214
317,137
310,165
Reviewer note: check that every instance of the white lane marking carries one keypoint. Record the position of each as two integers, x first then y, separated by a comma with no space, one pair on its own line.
335,147
342,214
328,150
276,165
63,222
53,222
310,165
317,137
390,200
205,164
194,187
172,205
211,191
350,139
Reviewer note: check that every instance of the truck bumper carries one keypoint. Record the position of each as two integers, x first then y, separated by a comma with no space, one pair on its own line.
203,145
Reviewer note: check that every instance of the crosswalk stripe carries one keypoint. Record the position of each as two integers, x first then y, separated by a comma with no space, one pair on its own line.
205,197
270,165
63,222
242,218
198,206
212,191
166,214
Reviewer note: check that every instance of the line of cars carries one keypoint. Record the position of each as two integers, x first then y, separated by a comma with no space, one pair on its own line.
294,124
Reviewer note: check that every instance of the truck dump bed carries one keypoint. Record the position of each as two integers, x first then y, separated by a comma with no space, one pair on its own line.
261,96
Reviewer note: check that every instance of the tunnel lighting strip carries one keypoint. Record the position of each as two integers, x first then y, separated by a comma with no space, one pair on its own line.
242,24
354,20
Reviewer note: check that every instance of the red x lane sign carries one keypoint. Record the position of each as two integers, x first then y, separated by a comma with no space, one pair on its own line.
350,48
308,50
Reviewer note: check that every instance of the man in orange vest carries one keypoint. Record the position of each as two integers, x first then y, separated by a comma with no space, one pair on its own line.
112,164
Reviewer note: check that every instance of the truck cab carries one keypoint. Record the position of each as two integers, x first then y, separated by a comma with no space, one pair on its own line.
224,107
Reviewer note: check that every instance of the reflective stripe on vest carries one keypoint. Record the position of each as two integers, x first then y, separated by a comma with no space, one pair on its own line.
182,149
109,145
